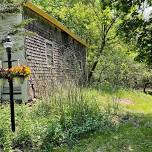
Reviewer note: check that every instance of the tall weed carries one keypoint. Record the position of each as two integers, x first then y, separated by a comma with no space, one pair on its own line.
63,118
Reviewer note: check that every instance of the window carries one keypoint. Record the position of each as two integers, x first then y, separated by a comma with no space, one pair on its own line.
80,65
49,53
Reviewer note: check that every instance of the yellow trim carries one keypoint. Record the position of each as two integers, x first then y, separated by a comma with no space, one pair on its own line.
53,21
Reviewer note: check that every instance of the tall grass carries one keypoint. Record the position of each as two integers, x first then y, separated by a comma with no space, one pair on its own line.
63,118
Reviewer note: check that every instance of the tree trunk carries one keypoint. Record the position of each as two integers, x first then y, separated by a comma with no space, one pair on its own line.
94,65
92,70
145,86
104,33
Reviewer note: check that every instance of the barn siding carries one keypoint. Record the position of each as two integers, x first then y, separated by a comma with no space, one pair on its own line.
69,56
67,53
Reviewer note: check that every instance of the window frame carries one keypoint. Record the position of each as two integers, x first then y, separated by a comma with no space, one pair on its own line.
50,43
80,65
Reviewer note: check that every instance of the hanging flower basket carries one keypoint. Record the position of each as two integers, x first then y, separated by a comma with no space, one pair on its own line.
22,72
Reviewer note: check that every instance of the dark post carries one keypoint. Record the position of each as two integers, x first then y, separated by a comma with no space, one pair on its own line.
10,81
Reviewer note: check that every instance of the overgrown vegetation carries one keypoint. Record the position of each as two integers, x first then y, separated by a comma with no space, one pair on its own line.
63,119
134,134
69,116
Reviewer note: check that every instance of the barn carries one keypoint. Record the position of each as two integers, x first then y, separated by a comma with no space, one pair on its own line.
52,51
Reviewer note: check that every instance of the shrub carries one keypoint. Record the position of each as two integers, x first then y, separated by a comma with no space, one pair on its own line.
22,140
63,119
53,135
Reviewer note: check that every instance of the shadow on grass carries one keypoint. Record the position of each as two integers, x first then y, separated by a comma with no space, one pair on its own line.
134,134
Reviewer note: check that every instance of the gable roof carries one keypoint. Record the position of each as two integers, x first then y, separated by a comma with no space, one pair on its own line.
53,21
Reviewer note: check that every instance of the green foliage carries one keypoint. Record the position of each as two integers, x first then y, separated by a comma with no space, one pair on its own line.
133,135
67,117
12,1
147,76
117,67
63,119
137,30
9,7
144,43
99,22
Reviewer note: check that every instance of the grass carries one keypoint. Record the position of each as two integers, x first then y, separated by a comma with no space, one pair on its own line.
134,132
127,138
131,136
86,120
141,102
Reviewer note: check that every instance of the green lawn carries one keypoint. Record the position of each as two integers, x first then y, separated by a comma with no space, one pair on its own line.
134,132
142,103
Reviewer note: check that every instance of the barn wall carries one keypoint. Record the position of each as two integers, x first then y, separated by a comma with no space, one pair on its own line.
69,56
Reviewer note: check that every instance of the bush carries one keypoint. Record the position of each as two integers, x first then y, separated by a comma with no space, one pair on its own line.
53,136
63,119
22,141
117,68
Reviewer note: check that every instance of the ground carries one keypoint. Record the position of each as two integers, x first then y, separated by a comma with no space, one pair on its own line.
135,131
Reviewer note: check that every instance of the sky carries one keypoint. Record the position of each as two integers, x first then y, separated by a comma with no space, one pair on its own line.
147,12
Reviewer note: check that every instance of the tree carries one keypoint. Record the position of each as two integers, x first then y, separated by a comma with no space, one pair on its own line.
144,43
139,30
97,21
117,67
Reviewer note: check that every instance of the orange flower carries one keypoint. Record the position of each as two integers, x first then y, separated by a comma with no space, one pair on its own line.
22,70
16,71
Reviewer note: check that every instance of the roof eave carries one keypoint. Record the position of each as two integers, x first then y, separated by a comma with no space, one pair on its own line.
53,21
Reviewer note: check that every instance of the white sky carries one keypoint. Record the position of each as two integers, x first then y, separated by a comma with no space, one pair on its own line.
147,12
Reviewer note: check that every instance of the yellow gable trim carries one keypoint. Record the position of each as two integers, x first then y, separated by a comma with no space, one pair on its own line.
53,21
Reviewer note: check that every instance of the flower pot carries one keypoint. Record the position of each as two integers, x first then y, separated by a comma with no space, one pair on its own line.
20,79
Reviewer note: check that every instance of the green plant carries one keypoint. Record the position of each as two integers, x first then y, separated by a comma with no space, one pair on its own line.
22,140
53,135
64,118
